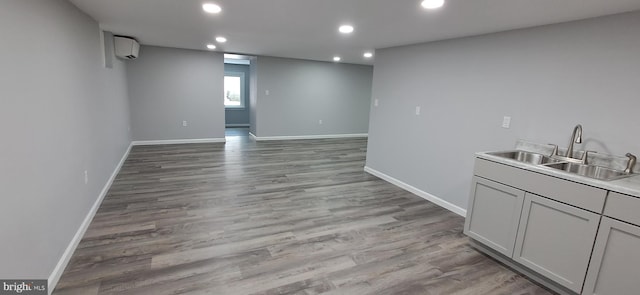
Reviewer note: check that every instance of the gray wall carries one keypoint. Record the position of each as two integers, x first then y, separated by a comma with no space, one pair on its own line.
302,92
168,86
239,116
547,79
253,94
61,113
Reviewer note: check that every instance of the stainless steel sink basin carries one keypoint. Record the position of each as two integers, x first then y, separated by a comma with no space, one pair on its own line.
591,171
526,157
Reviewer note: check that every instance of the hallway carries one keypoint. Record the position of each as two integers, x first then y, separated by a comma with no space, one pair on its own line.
236,132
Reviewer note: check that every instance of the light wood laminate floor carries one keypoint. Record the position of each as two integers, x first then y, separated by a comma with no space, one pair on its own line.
288,217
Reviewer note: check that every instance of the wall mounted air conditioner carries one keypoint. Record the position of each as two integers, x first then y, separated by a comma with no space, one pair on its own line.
126,47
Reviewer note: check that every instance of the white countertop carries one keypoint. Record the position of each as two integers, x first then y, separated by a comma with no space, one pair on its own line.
629,185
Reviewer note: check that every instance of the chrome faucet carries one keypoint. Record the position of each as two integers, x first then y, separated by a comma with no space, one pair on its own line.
576,137
630,164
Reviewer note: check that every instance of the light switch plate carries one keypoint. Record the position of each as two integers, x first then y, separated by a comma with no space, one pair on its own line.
375,102
506,122
418,110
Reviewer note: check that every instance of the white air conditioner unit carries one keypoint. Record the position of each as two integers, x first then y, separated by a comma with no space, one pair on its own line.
126,48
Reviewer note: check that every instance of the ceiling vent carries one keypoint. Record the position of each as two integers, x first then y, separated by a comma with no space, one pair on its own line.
126,47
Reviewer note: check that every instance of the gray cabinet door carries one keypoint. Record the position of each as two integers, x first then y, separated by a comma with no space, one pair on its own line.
614,265
493,214
556,240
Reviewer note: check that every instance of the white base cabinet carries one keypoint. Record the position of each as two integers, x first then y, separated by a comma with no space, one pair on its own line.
615,261
540,222
555,240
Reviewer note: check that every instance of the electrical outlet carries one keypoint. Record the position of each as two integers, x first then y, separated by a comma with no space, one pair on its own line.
320,122
184,124
375,102
506,122
418,110
266,92
86,176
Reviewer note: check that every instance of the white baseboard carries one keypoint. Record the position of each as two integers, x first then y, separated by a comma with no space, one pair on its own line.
66,256
236,125
265,138
253,136
427,196
178,141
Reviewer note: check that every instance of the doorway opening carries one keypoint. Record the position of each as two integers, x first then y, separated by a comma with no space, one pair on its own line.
237,93
236,132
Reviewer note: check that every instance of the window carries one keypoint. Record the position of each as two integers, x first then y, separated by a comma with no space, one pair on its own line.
234,90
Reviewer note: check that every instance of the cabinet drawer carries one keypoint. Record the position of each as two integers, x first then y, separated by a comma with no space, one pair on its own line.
572,193
623,207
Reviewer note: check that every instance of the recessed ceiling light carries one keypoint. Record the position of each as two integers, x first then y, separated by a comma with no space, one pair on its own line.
211,46
345,29
336,58
211,8
432,4
368,55
221,39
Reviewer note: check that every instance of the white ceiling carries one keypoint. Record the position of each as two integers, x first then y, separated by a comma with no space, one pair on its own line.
307,29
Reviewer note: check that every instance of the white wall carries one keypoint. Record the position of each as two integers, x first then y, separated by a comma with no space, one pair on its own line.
302,92
170,85
548,79
61,113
